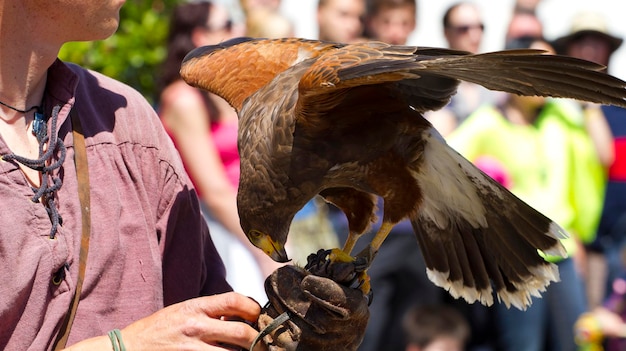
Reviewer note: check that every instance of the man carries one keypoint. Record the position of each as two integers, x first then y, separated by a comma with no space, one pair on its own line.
523,25
544,176
463,29
149,246
590,39
340,20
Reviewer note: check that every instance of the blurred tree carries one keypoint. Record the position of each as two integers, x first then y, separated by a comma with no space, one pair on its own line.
134,53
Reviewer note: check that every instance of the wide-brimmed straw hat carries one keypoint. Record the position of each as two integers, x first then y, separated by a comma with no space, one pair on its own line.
587,23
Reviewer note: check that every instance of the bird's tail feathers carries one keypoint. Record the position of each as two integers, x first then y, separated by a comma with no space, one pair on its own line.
490,240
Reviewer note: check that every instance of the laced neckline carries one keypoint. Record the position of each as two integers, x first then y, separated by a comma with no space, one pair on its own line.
45,163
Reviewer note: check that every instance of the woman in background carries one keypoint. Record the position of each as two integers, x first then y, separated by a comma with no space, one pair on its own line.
204,129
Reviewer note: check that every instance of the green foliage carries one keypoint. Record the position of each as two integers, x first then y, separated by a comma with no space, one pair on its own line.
133,54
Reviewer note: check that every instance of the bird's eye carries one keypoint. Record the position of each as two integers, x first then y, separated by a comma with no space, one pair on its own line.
255,234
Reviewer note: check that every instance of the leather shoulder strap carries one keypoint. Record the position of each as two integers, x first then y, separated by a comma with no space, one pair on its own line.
82,173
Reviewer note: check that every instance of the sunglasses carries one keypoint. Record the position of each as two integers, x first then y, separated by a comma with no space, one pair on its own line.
466,28
227,26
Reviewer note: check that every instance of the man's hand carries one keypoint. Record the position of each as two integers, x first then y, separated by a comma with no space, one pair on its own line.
205,323
324,315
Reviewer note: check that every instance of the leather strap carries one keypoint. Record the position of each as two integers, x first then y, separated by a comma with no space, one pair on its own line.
82,174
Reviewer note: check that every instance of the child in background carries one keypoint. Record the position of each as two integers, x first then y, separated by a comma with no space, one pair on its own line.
604,328
435,328
391,21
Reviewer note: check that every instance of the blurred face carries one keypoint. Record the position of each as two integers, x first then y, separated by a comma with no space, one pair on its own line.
341,20
393,25
524,25
219,27
591,47
255,4
465,30
542,45
534,102
444,343
527,4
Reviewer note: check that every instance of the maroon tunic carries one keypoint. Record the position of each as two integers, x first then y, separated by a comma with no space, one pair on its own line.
149,243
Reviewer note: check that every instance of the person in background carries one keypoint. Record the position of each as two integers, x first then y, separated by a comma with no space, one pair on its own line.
541,152
204,129
589,39
391,21
604,326
151,264
523,24
435,328
463,29
399,279
268,23
251,5
264,19
341,20
526,6
311,228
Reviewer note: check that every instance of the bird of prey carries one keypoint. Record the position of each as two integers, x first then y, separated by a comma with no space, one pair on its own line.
345,121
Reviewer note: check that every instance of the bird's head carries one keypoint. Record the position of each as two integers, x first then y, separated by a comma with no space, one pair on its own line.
266,209
264,241
270,238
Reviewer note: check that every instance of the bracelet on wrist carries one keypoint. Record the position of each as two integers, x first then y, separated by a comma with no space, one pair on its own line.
116,340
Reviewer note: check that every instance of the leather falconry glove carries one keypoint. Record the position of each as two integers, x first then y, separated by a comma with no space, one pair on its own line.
324,311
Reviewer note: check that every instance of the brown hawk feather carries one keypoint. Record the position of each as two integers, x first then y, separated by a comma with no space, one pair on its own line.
345,122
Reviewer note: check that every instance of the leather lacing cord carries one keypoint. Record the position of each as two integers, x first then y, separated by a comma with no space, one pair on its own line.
46,192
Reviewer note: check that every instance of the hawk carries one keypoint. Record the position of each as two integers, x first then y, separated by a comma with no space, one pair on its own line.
345,121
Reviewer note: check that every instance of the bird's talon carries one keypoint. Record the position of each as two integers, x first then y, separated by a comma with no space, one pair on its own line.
337,255
336,265
317,259
361,264
364,283
367,254
369,297
361,281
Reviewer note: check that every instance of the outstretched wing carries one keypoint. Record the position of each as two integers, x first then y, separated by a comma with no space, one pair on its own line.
391,68
428,77
530,72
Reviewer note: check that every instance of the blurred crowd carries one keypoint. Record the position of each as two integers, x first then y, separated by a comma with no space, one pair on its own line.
565,158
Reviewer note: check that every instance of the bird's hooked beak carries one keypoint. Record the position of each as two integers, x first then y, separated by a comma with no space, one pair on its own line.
271,247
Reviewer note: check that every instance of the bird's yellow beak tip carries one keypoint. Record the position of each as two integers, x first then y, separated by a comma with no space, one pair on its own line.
272,248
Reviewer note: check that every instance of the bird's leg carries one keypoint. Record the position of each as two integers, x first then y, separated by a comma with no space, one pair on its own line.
350,242
370,252
359,208
380,236
365,257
